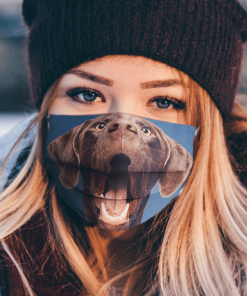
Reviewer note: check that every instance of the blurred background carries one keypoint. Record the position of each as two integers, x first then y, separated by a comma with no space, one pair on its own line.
14,90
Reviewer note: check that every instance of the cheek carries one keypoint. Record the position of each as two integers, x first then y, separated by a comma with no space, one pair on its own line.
58,107
182,117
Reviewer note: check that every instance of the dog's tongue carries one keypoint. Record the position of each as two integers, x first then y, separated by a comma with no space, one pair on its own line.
114,208
116,193
116,184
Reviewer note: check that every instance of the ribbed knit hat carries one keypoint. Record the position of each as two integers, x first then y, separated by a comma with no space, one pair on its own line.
202,38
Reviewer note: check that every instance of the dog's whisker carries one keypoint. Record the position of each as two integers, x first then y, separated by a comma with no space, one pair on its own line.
145,156
160,151
90,148
149,148
150,159
157,150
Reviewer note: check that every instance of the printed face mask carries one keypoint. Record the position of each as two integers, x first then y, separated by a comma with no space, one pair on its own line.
118,170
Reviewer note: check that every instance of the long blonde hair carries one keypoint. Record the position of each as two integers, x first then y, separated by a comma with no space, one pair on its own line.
197,248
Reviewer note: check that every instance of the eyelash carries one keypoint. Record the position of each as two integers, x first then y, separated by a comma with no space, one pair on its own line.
74,92
177,105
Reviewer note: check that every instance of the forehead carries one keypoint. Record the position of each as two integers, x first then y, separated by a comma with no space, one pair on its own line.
127,67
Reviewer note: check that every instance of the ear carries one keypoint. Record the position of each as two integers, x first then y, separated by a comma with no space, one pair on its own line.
64,151
176,168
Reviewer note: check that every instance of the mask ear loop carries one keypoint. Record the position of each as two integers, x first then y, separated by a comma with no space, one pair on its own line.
43,129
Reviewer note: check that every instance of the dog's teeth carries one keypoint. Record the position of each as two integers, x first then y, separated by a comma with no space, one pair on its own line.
102,195
125,212
104,211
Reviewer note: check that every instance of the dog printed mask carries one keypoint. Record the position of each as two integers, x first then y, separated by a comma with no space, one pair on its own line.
117,170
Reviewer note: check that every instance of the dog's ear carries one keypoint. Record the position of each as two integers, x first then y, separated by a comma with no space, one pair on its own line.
176,168
64,152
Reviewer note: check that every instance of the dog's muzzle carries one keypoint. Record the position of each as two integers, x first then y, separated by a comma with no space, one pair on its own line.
117,170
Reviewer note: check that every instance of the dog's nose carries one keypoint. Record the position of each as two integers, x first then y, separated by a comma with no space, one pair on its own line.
122,125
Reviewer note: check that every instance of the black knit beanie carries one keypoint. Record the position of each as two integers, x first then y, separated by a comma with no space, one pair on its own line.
202,38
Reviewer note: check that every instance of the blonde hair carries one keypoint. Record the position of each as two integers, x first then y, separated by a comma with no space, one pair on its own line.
197,248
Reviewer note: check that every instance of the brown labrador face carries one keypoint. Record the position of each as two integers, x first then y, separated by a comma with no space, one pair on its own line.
120,157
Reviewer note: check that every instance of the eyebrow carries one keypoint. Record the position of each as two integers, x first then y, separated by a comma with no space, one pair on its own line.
109,82
89,76
161,83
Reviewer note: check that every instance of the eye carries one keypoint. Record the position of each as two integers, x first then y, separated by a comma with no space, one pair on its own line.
100,126
84,95
163,103
147,131
168,103
88,96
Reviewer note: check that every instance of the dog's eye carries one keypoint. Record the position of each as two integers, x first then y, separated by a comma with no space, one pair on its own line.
100,126
147,131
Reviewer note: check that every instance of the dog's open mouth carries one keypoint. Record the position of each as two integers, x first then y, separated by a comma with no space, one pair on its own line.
116,198
116,202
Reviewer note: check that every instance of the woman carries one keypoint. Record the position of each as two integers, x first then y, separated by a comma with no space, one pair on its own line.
168,61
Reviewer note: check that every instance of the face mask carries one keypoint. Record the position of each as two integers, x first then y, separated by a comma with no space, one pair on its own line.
118,170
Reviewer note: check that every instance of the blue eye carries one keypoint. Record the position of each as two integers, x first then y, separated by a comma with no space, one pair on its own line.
168,103
88,96
163,103
83,95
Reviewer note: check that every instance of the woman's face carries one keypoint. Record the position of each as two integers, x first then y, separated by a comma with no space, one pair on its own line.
129,84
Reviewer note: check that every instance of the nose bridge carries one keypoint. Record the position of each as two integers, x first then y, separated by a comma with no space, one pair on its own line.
123,102
122,125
